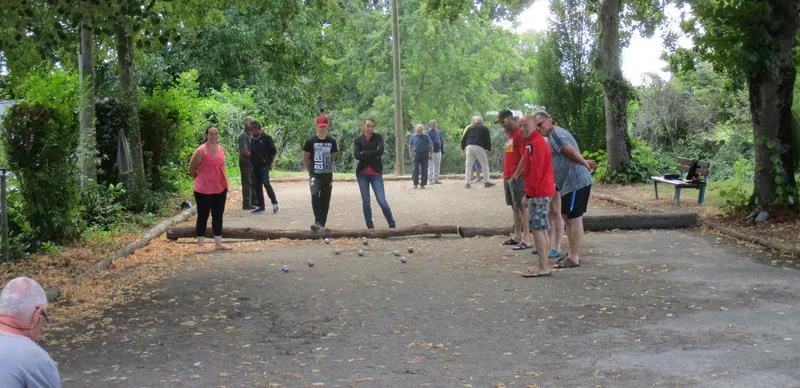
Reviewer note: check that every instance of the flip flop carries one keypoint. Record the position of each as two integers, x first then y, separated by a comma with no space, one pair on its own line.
521,247
510,241
566,262
535,274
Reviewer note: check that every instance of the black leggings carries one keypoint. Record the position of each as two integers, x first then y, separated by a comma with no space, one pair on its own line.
213,203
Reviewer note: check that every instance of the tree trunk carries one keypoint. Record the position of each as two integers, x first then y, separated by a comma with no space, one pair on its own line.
87,146
615,89
137,186
771,110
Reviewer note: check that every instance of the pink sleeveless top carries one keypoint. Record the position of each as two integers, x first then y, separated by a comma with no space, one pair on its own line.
211,178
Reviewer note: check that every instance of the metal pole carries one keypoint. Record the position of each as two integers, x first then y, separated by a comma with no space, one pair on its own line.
4,214
398,98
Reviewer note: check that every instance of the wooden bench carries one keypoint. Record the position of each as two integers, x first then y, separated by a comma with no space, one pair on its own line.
681,183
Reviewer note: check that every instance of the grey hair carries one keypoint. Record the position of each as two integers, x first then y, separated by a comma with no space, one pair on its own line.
20,297
477,120
433,121
541,113
419,126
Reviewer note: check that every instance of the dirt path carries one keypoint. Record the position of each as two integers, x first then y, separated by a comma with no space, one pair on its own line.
646,308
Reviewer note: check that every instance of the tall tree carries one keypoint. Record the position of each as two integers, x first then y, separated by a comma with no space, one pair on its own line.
618,19
757,40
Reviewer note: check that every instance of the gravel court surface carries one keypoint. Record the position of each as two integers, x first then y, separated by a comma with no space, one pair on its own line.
646,308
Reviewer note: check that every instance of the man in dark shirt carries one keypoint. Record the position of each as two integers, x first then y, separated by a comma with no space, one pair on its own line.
475,145
319,157
262,155
245,167
437,137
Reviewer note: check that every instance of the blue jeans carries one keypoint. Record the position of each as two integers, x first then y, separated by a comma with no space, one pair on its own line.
364,181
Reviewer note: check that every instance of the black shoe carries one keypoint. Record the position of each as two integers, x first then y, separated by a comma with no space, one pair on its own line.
257,210
488,184
249,207
316,226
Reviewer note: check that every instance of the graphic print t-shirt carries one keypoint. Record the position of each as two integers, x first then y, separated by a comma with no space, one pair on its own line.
321,151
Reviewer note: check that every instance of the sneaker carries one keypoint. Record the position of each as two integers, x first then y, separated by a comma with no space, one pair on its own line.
437,183
248,207
422,187
488,184
415,186
257,210
467,185
275,208
316,226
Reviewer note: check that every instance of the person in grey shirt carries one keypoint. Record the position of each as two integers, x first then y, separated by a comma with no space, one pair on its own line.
573,176
23,311
246,167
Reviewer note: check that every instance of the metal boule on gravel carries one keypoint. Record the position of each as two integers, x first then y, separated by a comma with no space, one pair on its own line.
396,253
365,242
360,252
327,240
285,268
337,252
410,250
310,263
403,259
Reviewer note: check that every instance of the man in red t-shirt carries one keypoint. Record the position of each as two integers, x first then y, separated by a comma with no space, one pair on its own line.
514,186
537,170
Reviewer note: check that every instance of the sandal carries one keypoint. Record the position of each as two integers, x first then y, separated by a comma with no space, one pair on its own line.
521,246
510,241
566,262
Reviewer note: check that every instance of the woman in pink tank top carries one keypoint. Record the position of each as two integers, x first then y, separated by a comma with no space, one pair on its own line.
207,167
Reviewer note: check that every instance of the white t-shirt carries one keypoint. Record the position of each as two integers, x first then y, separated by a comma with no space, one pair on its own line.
24,364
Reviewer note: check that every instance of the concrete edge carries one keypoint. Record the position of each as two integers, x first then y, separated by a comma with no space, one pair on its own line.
718,228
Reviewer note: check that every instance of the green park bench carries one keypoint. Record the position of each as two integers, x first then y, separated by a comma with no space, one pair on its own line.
680,182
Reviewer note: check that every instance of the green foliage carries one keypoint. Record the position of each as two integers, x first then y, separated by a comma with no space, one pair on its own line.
101,205
22,237
108,121
55,89
645,162
736,191
40,153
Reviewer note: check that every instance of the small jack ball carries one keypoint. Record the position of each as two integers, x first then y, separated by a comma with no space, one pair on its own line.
403,260
410,250
285,268
360,252
365,242
337,252
327,240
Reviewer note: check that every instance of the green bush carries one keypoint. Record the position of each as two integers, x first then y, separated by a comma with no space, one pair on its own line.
22,237
645,162
736,192
102,207
40,146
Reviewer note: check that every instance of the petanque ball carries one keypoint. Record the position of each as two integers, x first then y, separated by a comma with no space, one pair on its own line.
403,259
310,263
410,250
360,252
327,240
396,253
285,268
365,242
337,252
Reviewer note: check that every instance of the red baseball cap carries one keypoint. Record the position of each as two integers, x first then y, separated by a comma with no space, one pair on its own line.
322,121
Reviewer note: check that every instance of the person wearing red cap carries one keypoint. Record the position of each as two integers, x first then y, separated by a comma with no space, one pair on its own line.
319,157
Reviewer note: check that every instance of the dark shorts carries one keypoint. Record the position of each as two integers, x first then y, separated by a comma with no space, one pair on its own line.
515,191
574,204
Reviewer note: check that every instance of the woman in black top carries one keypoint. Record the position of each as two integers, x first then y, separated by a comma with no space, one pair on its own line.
368,150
